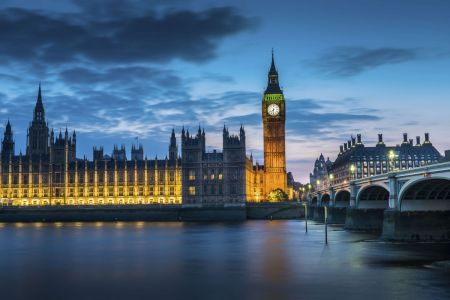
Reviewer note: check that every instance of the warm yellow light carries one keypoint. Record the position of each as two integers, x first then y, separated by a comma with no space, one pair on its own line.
331,176
391,155
352,168
318,181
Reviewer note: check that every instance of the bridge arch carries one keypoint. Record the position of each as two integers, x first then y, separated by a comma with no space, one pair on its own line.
373,196
325,200
428,193
342,198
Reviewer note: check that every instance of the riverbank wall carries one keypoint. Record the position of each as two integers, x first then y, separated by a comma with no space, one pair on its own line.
252,211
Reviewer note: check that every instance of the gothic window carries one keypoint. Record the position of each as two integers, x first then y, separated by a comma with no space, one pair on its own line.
192,191
172,191
192,175
161,190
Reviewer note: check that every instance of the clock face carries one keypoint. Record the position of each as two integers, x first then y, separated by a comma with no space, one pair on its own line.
273,109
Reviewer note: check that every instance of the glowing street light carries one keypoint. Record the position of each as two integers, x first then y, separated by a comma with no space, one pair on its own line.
391,157
352,170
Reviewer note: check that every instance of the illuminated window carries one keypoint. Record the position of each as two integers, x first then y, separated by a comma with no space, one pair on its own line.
192,191
212,176
172,191
220,177
192,175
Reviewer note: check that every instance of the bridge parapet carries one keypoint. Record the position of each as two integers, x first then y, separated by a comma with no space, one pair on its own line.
396,184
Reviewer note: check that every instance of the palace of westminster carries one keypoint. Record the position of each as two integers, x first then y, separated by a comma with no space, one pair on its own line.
49,173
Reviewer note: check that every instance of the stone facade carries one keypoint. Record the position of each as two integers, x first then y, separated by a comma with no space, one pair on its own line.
355,160
51,174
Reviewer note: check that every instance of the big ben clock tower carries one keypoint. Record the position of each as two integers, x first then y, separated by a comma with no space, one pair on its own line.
274,119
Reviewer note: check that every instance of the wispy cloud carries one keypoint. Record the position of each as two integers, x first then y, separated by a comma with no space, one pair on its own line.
351,61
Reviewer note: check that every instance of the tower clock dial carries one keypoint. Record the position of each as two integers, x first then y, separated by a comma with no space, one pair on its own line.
273,109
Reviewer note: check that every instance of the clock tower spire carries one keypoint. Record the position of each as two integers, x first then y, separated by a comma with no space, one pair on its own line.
274,119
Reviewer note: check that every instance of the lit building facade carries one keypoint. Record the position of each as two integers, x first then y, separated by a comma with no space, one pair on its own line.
263,179
49,173
355,160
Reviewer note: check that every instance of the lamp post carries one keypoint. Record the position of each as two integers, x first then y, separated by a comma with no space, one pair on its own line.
391,157
352,171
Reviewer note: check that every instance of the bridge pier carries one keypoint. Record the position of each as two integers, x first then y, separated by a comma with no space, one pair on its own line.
393,192
416,225
370,219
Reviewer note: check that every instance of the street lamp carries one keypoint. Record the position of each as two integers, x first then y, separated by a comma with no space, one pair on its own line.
391,157
352,170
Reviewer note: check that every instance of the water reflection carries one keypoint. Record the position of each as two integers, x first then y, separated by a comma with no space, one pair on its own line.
254,260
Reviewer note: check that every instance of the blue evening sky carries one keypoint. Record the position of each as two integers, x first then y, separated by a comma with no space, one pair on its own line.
120,69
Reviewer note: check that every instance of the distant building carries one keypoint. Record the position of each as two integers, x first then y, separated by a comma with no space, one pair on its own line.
319,177
355,160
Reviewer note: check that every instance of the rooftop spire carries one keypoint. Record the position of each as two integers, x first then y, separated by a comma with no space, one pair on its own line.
273,86
39,108
273,69
8,127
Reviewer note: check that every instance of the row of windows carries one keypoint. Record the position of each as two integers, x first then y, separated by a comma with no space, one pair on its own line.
212,190
58,177
57,192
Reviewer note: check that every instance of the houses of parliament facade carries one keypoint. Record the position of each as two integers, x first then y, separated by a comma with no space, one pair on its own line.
49,173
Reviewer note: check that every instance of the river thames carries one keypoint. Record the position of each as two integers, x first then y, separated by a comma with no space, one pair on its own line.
248,260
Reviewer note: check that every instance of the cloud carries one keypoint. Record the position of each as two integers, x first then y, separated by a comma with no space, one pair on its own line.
124,37
351,61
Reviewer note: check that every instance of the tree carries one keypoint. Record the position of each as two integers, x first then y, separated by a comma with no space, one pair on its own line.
277,195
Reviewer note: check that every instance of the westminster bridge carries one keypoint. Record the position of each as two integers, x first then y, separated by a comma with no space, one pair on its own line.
412,203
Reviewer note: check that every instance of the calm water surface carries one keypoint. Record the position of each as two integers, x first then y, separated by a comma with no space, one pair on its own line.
251,260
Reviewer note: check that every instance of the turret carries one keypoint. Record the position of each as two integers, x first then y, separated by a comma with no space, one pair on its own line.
8,142
173,148
39,113
418,141
427,139
137,152
97,153
405,138
380,140
38,133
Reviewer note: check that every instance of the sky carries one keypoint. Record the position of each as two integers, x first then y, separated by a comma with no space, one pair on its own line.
122,71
